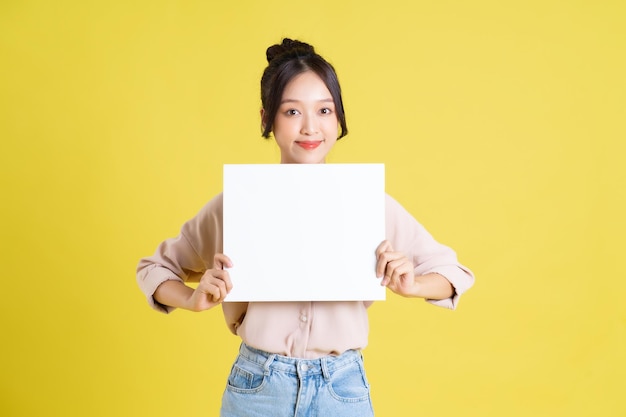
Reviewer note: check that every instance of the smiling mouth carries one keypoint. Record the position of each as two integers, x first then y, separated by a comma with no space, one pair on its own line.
309,144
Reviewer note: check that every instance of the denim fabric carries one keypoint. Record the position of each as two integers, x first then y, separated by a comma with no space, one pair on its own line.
263,384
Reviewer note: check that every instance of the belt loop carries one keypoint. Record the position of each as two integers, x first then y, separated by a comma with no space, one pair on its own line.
268,362
325,371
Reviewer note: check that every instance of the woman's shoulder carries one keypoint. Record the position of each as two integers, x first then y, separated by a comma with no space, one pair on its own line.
398,220
213,206
393,208
216,203
210,216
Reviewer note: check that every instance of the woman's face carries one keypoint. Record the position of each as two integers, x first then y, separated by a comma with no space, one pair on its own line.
306,125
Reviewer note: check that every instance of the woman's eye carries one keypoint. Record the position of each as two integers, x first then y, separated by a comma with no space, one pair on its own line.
326,110
291,112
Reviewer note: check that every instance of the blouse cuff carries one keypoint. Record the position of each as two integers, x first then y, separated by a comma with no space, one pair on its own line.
150,280
461,280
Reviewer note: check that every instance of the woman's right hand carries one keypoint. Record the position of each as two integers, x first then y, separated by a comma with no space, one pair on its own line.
213,287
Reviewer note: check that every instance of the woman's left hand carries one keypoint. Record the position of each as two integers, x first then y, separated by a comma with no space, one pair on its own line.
395,269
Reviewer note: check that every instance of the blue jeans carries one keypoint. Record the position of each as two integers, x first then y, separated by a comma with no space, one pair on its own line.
263,384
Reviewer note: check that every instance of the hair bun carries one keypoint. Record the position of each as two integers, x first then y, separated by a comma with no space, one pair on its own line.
289,47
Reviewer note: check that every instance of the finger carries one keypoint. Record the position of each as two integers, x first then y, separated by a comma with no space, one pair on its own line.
383,261
400,269
395,270
211,292
215,294
220,261
219,291
211,287
221,279
224,276
385,246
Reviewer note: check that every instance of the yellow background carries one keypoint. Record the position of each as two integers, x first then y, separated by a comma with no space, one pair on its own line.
501,124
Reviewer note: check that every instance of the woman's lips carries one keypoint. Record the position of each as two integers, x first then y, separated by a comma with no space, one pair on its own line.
309,144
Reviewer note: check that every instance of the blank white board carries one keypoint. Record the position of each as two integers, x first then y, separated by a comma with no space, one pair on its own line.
304,232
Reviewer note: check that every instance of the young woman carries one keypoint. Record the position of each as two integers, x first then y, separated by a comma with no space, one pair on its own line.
298,358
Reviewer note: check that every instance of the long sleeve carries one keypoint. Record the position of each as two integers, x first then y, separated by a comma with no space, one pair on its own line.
407,235
185,257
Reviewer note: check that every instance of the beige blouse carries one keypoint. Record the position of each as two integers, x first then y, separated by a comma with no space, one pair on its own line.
297,329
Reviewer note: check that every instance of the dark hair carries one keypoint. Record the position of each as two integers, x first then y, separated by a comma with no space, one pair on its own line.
287,60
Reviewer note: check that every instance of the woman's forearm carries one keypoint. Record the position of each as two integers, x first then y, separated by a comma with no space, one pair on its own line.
173,294
433,287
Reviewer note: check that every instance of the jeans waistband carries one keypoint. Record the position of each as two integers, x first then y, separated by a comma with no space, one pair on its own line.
324,365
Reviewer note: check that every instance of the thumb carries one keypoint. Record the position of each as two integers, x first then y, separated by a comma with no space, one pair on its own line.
220,261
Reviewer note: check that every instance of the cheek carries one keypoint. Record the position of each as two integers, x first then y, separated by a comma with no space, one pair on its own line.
283,132
332,127
282,124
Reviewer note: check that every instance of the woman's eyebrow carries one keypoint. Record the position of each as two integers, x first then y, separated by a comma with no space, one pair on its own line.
292,100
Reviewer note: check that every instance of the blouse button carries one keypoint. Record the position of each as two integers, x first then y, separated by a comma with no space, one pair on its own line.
303,318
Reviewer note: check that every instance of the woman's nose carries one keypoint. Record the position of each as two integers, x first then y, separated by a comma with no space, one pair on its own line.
309,125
